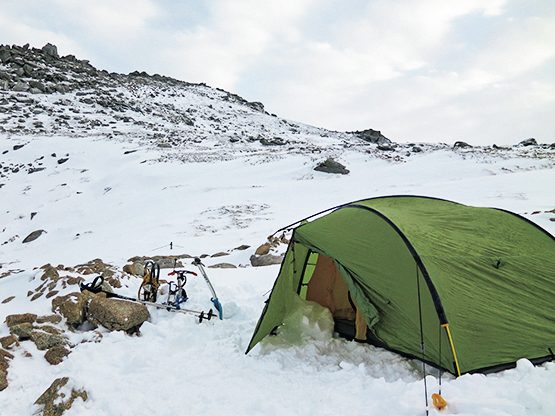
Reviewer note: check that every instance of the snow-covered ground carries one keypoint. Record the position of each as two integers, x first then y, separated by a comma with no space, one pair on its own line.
105,203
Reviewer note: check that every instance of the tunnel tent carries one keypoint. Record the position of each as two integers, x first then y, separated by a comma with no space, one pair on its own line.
466,289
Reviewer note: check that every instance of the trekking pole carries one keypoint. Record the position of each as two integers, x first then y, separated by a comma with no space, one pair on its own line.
214,298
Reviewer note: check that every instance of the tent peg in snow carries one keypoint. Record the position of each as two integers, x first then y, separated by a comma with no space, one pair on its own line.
465,289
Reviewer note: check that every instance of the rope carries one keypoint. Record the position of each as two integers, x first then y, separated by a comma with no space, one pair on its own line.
422,339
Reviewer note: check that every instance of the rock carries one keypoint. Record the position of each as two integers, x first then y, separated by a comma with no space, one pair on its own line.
8,341
33,236
50,51
222,266
38,85
276,141
8,299
461,145
331,166
386,147
136,268
220,254
265,260
263,249
242,247
117,315
528,142
372,136
63,160
56,355
416,149
56,399
22,331
5,55
45,340
5,356
50,273
72,307
21,318
20,86
51,319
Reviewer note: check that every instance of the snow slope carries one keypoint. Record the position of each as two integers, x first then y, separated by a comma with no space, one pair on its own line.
103,203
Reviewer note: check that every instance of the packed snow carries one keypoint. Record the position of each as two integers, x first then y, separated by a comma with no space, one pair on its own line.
104,202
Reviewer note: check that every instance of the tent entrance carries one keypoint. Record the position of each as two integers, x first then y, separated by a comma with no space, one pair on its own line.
322,283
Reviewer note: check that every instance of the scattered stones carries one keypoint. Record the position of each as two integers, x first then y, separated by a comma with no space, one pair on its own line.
33,236
117,315
331,166
56,355
57,399
265,260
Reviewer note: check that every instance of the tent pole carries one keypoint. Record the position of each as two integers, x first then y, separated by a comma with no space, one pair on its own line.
457,367
422,339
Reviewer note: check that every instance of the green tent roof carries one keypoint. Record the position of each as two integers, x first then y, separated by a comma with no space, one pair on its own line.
414,264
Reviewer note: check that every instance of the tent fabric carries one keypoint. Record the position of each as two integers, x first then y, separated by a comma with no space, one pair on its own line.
414,263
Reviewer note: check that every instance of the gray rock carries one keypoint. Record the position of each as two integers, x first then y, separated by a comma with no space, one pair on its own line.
461,145
50,51
372,136
5,55
222,266
20,86
5,356
528,142
386,147
276,141
265,260
331,166
416,149
117,315
22,331
33,236
54,402
4,75
37,84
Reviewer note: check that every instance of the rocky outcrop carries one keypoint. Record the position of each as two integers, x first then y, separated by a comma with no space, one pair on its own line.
331,166
58,398
461,145
528,142
371,136
117,315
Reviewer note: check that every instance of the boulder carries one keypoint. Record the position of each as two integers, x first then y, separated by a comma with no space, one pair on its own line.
461,145
56,355
45,340
416,149
50,51
20,86
117,315
56,399
22,331
12,320
372,136
72,307
263,249
331,166
8,341
265,260
136,268
528,142
242,247
33,236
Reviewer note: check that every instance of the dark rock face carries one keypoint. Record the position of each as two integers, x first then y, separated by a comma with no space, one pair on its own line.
50,51
33,236
461,145
372,136
528,142
331,166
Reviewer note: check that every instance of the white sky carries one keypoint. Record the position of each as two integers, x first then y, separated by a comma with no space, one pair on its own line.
482,71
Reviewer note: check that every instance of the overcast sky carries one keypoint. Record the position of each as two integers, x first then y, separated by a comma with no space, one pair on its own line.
482,71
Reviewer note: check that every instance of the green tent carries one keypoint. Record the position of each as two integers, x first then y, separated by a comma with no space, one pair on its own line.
466,289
